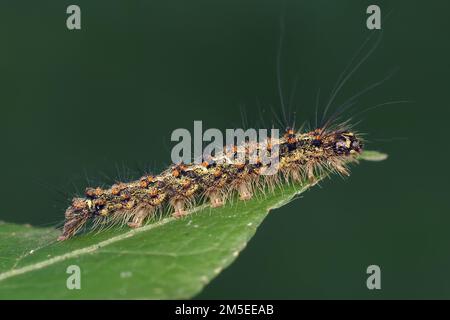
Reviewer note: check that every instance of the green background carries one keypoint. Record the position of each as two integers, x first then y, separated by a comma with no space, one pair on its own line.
88,107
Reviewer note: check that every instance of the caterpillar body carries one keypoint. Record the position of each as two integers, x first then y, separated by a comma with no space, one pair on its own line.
302,156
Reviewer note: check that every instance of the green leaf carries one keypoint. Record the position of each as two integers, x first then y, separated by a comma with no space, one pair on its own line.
167,259
369,155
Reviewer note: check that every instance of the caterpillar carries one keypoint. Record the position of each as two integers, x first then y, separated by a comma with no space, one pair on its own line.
302,156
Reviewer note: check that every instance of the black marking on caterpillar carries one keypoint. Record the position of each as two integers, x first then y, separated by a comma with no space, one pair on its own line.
302,156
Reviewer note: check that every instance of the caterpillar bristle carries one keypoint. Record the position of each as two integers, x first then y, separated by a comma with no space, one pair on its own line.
182,187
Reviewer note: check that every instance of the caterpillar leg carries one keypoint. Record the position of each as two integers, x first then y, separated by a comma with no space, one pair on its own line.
244,192
296,176
139,218
310,174
216,200
179,212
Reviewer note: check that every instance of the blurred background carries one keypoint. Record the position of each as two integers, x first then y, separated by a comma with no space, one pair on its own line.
89,106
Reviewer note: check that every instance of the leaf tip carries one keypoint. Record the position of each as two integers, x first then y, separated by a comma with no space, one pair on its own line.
370,155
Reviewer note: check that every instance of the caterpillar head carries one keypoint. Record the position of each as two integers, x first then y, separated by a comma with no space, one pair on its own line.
339,143
345,143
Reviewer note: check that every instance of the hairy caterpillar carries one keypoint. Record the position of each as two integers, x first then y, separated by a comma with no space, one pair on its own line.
327,149
301,156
